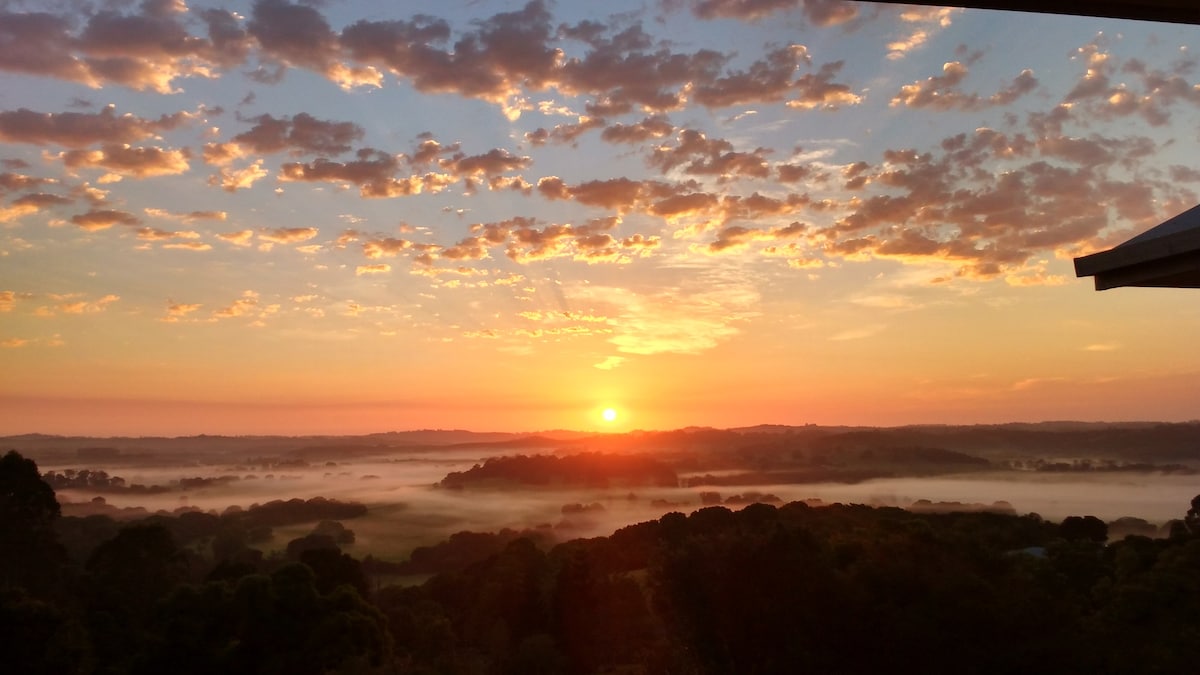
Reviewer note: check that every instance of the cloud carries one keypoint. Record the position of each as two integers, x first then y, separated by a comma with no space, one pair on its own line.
771,79
8,300
299,135
735,237
30,203
565,133
650,128
13,182
929,20
688,318
128,161
239,238
502,59
387,247
102,219
72,306
155,234
299,35
78,130
232,180
768,79
696,154
492,163
819,92
372,172
990,201
507,52
189,217
1150,94
198,246
36,43
379,268
145,51
288,235
178,311
246,305
818,12
941,92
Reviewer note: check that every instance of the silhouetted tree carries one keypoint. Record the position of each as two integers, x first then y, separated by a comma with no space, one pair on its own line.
126,577
1083,528
30,556
333,569
36,637
1192,519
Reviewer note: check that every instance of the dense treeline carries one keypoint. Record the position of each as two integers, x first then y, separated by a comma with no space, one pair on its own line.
766,589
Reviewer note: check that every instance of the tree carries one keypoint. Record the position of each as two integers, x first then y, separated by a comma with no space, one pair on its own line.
127,576
1086,528
32,557
1192,519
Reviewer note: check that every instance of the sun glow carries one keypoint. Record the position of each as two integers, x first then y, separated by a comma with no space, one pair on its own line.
609,415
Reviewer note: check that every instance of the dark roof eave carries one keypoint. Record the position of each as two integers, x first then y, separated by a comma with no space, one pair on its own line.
1170,11
1185,244
1181,271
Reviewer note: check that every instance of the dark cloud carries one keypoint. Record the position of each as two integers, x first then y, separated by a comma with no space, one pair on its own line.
302,134
491,163
696,154
12,182
295,34
231,44
614,194
506,52
566,134
102,219
31,203
39,44
767,80
818,12
627,73
650,128
373,172
288,235
76,130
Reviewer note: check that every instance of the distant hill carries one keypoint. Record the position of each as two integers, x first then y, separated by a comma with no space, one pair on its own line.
1124,441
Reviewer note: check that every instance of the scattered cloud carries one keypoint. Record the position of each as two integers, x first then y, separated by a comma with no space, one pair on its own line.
102,219
377,268
78,130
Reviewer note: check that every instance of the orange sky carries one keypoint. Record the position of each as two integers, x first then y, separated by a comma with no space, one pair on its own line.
284,218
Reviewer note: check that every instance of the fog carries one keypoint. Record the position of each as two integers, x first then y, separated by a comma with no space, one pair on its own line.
406,507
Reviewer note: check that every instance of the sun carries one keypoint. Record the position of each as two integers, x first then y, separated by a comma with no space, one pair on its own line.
609,415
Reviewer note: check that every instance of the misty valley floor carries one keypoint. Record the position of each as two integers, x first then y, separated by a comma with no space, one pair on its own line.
656,552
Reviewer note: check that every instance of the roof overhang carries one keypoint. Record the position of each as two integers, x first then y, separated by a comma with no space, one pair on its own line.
1167,256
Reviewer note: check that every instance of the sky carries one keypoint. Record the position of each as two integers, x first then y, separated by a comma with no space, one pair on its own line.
341,217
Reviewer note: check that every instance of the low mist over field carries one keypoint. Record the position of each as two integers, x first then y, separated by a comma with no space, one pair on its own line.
420,487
